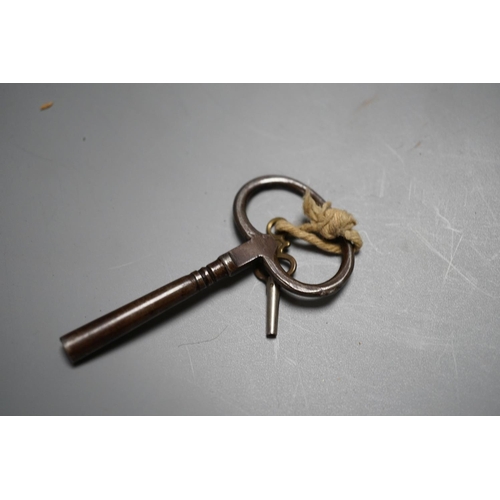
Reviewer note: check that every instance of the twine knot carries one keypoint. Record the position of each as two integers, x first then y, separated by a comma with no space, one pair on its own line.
327,222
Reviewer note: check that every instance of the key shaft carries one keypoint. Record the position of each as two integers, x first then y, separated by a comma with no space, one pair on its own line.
98,333
273,305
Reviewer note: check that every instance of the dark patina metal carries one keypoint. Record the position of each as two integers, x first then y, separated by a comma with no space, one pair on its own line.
98,333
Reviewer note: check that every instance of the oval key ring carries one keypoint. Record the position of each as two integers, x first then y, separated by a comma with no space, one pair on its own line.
271,263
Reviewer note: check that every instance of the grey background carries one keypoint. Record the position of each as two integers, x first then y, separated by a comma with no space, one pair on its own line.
116,190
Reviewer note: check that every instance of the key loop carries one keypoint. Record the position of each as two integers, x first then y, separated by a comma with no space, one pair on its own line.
270,261
282,246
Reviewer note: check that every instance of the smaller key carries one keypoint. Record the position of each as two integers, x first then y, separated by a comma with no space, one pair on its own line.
272,288
273,306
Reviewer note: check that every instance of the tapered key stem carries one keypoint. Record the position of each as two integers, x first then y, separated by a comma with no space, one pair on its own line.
273,305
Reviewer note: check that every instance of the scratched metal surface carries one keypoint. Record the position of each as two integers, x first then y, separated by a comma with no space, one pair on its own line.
116,190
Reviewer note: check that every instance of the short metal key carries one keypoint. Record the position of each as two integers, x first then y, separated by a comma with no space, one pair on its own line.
272,288
260,247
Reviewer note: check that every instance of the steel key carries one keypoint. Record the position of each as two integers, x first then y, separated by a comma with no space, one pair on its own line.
262,247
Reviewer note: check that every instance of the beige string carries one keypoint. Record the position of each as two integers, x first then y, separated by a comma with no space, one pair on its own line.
327,222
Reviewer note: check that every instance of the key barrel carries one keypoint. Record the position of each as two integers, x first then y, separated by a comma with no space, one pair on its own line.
98,333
